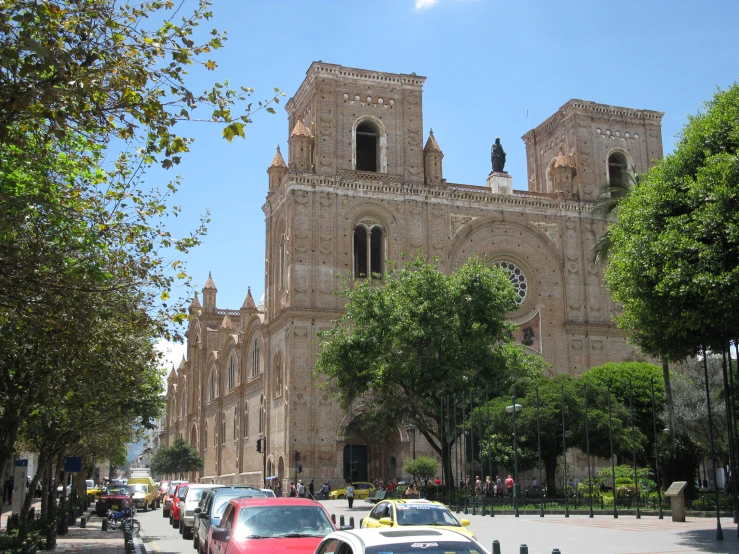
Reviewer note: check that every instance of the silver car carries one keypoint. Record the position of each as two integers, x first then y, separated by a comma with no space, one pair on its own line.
188,502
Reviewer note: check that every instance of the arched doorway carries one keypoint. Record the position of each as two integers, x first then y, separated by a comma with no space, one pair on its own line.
356,453
393,468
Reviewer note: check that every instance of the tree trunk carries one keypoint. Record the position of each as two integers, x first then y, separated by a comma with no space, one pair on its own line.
668,398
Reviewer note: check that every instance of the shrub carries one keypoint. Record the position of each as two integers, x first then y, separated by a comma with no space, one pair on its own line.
624,481
585,490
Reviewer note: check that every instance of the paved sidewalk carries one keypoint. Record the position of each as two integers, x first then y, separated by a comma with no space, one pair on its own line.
90,540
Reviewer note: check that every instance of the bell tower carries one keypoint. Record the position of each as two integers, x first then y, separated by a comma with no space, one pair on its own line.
361,121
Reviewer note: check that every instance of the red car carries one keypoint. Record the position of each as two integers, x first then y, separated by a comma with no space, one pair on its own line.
115,497
174,509
167,498
268,525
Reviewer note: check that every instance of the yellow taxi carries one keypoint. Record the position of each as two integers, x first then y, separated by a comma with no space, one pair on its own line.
411,512
361,490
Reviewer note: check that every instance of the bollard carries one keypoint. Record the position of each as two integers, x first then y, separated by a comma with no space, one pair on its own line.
105,524
333,518
523,549
457,506
555,551
465,505
341,521
496,547
83,522
351,521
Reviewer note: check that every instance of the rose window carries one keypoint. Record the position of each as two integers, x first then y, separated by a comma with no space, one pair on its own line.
517,278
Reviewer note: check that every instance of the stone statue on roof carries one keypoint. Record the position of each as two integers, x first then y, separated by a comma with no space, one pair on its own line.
497,156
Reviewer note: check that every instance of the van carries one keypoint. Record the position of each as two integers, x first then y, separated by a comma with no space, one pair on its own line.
145,493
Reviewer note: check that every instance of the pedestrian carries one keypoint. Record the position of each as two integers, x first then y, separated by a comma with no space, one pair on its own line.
301,489
311,490
478,486
534,484
488,487
499,486
278,492
509,485
438,482
350,494
412,491
325,490
292,492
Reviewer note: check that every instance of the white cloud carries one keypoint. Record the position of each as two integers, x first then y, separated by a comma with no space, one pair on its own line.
423,4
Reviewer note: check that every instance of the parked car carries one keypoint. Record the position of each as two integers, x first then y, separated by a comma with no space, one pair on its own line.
269,493
399,541
115,497
190,498
211,507
412,512
361,490
174,506
268,525
167,502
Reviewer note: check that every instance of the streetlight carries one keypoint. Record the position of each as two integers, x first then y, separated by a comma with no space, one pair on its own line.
514,409
412,431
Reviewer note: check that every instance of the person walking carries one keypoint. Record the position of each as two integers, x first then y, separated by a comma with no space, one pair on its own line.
350,494
509,485
278,492
301,489
292,492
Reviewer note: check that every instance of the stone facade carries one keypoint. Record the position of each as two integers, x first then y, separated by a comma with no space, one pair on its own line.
360,188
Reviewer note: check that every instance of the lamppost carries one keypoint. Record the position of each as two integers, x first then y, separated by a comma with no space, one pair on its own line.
514,409
412,432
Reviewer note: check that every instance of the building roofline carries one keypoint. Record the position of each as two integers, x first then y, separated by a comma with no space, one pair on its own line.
587,107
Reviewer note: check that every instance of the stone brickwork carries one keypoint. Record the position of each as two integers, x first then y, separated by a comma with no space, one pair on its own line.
249,372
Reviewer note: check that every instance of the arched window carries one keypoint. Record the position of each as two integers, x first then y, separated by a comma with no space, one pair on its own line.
618,168
231,372
255,358
283,256
246,419
236,423
279,370
223,428
261,414
213,384
369,251
368,147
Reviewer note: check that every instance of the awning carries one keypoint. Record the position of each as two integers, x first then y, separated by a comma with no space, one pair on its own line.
270,478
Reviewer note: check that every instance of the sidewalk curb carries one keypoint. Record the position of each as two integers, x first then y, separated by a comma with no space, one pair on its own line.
139,544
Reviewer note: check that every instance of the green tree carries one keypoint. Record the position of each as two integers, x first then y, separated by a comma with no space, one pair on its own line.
675,253
421,467
91,91
176,460
417,338
610,196
551,392
617,375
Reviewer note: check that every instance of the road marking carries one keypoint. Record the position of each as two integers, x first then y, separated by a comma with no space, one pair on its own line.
156,546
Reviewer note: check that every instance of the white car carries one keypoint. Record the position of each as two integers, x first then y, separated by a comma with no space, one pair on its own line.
419,540
269,493
188,502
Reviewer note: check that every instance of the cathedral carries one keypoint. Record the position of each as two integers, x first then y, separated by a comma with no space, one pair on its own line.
359,188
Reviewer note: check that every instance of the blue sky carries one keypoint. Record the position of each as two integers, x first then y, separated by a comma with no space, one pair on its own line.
487,62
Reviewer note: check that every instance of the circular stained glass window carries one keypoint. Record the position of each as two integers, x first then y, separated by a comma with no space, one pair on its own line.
518,280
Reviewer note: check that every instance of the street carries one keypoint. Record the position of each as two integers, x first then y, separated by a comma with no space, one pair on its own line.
573,535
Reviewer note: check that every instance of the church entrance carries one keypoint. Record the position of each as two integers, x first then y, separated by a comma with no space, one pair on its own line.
355,462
